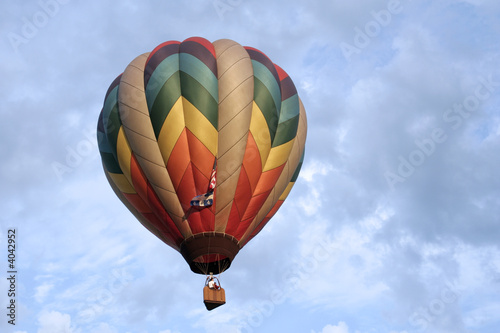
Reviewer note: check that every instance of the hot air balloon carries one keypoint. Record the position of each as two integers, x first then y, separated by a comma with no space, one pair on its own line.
202,142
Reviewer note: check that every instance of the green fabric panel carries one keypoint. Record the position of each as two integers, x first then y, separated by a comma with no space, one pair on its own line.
165,100
110,118
262,73
112,128
297,170
193,66
110,162
103,143
160,76
286,131
289,108
197,95
264,100
109,103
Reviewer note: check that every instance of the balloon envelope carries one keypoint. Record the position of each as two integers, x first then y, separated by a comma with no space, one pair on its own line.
197,118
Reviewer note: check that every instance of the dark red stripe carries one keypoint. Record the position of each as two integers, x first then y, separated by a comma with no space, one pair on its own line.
263,59
160,53
287,86
201,49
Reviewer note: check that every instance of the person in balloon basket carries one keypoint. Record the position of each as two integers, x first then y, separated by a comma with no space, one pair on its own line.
211,283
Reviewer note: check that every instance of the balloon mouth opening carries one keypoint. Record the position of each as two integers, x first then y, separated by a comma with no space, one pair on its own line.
215,267
209,252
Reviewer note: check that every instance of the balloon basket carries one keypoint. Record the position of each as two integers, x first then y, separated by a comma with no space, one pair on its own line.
213,298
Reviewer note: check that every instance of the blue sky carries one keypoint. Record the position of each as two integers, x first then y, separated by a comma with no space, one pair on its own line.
392,226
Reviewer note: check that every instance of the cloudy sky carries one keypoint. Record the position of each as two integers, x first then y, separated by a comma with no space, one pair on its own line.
392,227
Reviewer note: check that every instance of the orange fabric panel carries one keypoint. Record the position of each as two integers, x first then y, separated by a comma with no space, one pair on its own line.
268,179
179,160
202,159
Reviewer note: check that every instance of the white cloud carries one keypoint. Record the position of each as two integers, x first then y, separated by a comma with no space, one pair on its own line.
314,168
54,322
42,291
104,328
340,328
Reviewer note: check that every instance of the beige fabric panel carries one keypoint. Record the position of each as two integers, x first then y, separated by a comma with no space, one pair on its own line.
236,90
225,190
286,175
140,134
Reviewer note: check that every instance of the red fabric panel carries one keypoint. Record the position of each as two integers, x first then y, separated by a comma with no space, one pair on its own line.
243,192
186,192
252,162
139,180
234,220
147,194
208,219
171,240
281,73
137,202
157,208
242,228
255,205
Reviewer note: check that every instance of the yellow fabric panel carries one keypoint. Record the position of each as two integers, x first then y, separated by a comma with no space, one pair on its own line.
124,154
122,182
171,130
260,132
200,126
278,155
